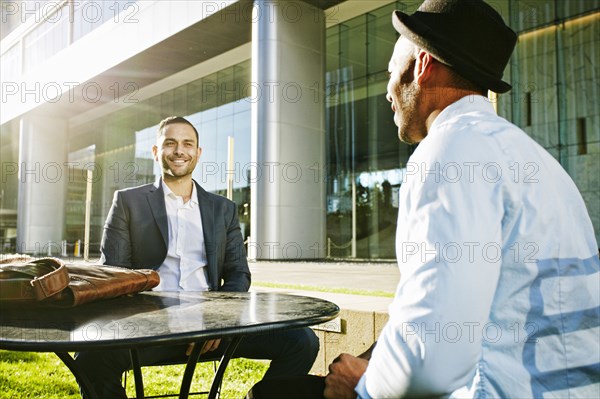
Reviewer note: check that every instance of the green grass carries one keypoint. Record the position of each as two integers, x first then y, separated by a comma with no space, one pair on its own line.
43,376
323,289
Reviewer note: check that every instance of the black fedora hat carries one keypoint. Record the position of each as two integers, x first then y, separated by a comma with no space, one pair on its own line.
467,35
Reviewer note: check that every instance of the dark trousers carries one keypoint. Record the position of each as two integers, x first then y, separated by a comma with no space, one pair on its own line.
303,387
292,353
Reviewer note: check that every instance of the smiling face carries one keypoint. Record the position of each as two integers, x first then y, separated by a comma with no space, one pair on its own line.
177,151
404,93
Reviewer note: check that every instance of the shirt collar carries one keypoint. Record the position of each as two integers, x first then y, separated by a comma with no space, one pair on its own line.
470,103
169,193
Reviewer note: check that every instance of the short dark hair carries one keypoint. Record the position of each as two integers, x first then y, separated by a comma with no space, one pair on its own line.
460,82
172,120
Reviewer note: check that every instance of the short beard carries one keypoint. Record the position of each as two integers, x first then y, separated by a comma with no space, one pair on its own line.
167,171
409,97
412,128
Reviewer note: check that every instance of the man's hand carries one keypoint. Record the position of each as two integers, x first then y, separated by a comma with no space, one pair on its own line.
208,346
344,373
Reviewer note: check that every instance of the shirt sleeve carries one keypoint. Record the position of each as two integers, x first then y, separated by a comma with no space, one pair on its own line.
361,389
448,248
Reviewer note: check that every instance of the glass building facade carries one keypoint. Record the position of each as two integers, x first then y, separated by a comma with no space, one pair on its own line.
555,73
118,147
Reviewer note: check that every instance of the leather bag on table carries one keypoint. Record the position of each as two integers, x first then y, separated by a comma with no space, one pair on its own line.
49,281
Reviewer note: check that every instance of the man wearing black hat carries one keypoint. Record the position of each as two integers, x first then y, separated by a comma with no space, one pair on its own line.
500,277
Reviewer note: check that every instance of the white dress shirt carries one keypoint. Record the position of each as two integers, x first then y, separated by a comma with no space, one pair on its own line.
499,293
184,268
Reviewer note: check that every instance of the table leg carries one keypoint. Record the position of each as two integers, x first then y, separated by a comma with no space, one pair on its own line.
191,366
137,373
188,374
82,380
222,366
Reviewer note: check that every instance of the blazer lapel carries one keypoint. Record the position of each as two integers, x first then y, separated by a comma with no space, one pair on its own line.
156,200
207,214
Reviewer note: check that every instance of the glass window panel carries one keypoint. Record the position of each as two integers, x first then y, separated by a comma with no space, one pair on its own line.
228,92
353,38
580,115
381,40
535,96
332,56
75,202
47,39
242,135
167,103
194,95
123,140
570,8
91,14
408,6
208,173
580,39
209,98
224,129
180,104
9,153
242,105
10,64
364,155
242,76
528,14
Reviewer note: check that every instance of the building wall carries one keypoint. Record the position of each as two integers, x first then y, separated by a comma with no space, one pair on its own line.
555,72
365,159
555,99
217,104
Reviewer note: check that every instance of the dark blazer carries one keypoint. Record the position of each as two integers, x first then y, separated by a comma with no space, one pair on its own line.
136,233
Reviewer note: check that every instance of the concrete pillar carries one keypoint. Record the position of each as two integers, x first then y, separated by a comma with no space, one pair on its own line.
288,131
43,178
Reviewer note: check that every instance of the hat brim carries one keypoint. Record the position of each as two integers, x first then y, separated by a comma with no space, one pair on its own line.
446,51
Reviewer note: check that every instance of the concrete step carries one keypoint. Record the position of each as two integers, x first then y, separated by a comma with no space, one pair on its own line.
361,318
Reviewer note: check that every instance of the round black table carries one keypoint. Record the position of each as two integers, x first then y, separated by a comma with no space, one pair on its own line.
158,318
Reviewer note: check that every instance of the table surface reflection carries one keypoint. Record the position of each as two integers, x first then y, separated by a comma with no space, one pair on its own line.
155,318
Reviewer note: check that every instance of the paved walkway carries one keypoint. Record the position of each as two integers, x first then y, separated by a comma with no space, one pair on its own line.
362,276
350,275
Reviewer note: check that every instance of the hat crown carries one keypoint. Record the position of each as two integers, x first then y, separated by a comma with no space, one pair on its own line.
461,10
454,6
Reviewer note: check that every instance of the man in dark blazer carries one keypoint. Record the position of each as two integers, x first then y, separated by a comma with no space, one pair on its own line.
136,235
193,239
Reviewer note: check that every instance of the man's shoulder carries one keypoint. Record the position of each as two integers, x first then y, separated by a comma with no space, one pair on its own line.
145,188
214,197
219,198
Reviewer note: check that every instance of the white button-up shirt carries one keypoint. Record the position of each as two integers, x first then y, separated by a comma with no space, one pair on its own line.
499,293
184,268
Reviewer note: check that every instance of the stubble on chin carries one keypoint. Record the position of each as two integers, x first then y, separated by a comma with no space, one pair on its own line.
174,173
409,130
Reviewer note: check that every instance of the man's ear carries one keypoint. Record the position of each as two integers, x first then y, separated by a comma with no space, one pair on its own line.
155,152
423,66
199,151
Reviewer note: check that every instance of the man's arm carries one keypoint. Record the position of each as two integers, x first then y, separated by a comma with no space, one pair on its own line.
236,274
447,231
116,241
